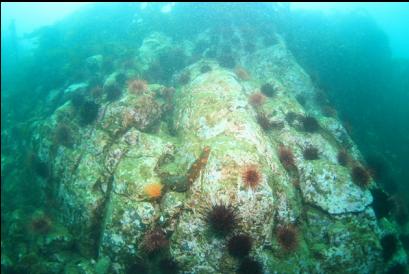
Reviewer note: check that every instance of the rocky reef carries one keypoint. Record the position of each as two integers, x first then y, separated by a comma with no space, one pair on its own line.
135,186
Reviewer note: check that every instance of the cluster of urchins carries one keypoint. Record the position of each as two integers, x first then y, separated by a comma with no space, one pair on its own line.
359,174
223,220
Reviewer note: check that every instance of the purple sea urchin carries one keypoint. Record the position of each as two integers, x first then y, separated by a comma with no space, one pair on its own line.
250,266
310,153
343,157
63,135
168,266
310,124
239,246
360,176
113,92
263,121
222,219
89,112
268,89
287,237
41,225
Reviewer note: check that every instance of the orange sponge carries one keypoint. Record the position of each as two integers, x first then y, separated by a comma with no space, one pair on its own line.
153,190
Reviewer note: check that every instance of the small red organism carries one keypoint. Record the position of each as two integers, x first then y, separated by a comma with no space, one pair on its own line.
137,86
154,241
286,157
257,99
287,237
251,176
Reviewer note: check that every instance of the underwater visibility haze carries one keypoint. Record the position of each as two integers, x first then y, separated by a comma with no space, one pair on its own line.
204,138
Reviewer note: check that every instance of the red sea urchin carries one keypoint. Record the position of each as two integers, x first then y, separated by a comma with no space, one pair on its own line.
257,99
222,219
360,176
251,176
287,237
239,246
286,157
137,86
154,241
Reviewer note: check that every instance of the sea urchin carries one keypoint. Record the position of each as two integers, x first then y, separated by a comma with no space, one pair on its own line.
251,176
287,237
310,153
268,89
310,124
360,176
257,99
154,241
239,246
41,225
286,157
343,157
137,86
222,219
250,266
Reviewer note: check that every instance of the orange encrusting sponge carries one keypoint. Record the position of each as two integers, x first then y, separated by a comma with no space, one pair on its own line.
153,190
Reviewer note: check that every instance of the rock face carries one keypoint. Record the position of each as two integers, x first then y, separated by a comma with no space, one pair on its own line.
197,145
